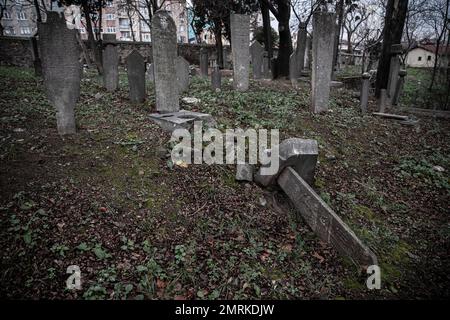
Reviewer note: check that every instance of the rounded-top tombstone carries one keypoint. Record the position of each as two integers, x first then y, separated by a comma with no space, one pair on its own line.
164,48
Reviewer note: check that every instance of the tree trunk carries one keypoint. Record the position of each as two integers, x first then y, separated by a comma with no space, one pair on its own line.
267,30
394,22
91,39
285,46
438,45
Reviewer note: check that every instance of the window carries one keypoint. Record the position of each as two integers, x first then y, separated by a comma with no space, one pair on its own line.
146,37
110,16
124,23
181,28
21,15
110,3
111,30
9,31
419,59
82,30
429,58
25,30
125,35
6,15
145,27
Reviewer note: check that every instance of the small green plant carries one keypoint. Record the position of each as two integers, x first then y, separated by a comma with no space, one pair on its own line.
60,249
180,254
100,253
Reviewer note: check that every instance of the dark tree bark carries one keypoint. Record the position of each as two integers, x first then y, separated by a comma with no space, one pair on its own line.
285,44
92,43
340,16
394,22
267,29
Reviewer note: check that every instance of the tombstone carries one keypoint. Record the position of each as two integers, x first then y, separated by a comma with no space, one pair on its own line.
399,88
394,68
364,98
136,76
204,62
293,70
308,55
256,52
164,49
150,76
110,63
37,64
383,101
216,78
182,74
61,67
266,71
322,60
301,47
240,42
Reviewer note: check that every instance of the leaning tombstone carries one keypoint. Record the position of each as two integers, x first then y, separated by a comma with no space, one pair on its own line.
136,76
382,101
322,60
301,47
182,74
164,48
256,52
110,63
293,70
216,78
266,71
240,41
204,62
399,88
61,68
394,68
364,98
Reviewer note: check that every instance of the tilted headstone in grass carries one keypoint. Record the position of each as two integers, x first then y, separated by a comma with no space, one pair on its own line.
216,78
110,63
136,76
301,48
365,86
266,71
60,54
164,48
394,68
322,60
182,74
240,43
256,52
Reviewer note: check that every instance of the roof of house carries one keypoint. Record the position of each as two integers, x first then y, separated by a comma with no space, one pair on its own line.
443,49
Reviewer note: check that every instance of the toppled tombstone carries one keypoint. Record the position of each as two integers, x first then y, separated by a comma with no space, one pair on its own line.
181,120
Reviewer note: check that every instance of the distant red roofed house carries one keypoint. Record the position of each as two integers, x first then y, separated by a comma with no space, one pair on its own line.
422,55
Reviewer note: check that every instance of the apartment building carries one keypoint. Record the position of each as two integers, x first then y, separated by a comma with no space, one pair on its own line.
129,23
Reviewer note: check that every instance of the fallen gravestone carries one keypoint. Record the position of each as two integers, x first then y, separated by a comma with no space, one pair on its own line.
181,120
164,48
61,69
110,63
136,76
240,41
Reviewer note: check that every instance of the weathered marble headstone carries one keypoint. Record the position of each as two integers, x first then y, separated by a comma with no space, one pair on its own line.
164,48
364,98
216,78
136,76
256,52
61,68
266,71
240,42
150,76
399,88
204,62
394,68
322,56
110,63
182,74
301,47
383,101
293,71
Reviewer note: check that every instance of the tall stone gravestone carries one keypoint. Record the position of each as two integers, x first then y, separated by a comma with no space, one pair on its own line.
301,48
322,60
136,76
204,62
256,52
266,71
61,68
164,38
216,78
293,69
182,74
150,73
240,42
110,63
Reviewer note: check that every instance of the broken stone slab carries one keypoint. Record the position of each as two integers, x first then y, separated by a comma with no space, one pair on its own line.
182,119
390,116
323,220
190,101
301,154
244,172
